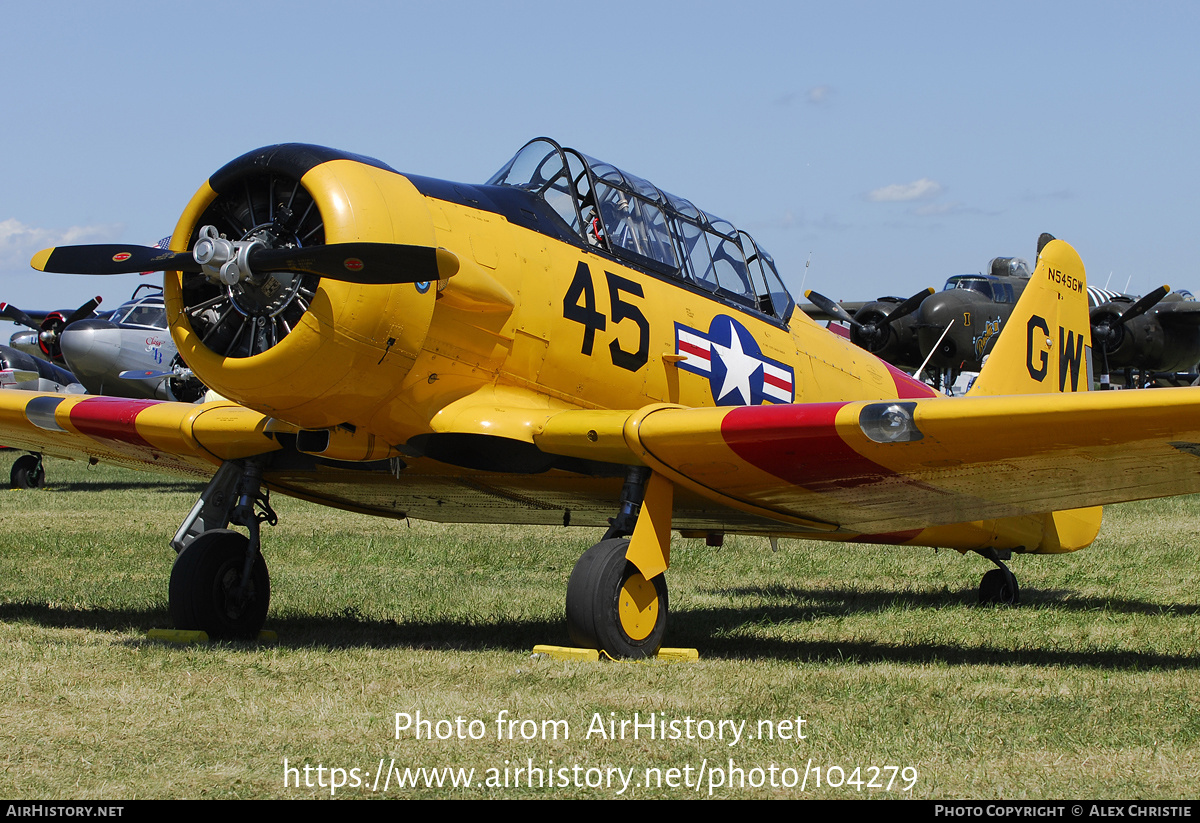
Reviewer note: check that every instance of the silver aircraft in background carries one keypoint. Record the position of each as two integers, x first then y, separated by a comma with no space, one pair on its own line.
123,353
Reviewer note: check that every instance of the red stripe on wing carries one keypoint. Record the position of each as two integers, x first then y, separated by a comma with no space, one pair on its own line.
110,418
799,444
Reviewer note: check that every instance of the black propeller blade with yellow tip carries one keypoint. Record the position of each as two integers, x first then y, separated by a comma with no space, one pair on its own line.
363,263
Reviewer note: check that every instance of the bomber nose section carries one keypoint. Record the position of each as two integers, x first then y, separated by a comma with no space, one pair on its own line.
92,349
943,312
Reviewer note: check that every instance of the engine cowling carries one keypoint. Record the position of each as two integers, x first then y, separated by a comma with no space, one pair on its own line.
310,350
895,342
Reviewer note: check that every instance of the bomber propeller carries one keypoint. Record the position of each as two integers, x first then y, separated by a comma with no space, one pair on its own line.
873,334
1109,330
49,329
234,261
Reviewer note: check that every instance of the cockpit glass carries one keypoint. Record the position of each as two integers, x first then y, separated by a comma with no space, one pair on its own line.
975,284
631,218
147,315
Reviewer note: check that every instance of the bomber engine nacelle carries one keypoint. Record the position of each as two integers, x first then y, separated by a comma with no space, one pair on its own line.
884,328
893,339
1149,335
318,351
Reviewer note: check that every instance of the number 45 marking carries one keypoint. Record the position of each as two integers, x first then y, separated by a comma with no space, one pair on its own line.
579,304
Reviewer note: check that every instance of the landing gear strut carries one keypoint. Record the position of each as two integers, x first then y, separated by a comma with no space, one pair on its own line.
999,586
610,603
219,583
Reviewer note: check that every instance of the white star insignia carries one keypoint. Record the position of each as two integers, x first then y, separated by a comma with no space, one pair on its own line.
739,367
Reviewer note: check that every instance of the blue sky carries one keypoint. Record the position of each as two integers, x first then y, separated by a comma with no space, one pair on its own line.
893,145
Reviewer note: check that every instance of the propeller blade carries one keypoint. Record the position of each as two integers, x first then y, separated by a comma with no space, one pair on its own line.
17,316
831,308
85,310
109,258
1145,303
908,306
363,263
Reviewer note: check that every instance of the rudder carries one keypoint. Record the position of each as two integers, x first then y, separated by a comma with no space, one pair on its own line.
1046,344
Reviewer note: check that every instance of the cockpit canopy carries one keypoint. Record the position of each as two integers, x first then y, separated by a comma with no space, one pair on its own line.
630,218
148,311
993,288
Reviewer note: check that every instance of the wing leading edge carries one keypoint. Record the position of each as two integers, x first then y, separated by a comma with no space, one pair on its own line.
174,438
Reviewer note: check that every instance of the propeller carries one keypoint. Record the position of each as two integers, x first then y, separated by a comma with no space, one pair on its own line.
1109,330
17,316
50,328
234,261
872,334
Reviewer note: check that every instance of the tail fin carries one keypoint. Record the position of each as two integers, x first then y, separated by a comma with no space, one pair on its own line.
1046,345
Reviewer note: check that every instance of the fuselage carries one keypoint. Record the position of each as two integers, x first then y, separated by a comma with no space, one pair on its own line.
593,291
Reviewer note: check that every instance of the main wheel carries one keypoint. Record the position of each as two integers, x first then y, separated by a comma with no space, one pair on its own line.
611,606
27,473
999,588
205,592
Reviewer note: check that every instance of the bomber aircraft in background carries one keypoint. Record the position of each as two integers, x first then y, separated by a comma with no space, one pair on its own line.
569,344
123,353
47,326
948,332
127,352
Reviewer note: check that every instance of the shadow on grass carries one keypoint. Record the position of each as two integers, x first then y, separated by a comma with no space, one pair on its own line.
717,633
809,604
152,483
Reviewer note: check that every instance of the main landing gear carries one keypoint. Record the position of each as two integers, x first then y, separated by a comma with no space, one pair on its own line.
27,472
610,603
611,606
219,583
999,586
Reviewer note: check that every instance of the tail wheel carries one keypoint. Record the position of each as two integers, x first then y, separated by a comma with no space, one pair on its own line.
206,592
27,473
611,606
252,316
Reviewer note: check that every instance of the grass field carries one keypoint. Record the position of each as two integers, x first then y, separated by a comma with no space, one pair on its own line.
1090,689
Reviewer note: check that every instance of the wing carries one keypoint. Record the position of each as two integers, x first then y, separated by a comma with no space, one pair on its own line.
174,438
1181,312
903,470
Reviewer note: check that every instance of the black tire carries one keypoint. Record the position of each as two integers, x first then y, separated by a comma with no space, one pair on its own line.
611,606
27,473
999,588
204,583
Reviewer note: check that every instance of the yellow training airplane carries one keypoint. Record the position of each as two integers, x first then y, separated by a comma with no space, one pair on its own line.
569,344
